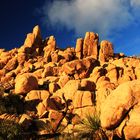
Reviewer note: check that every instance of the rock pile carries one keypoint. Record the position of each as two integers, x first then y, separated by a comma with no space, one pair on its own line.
89,78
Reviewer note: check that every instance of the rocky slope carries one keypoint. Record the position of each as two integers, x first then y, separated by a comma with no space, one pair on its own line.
63,86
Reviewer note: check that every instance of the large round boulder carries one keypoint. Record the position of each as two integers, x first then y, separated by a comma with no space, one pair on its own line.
121,110
25,83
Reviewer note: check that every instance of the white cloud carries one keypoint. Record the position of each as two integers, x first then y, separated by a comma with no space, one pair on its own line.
136,9
105,17
135,3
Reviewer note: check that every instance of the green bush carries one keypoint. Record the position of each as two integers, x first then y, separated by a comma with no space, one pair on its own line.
9,130
11,104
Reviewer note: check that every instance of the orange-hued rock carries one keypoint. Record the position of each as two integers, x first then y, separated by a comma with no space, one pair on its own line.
122,102
25,83
63,80
97,73
132,128
85,111
104,82
112,73
12,64
33,39
137,72
80,68
69,89
55,57
50,70
83,99
49,47
37,95
116,105
55,117
21,58
25,121
52,82
106,50
37,32
2,64
38,73
1,50
41,109
130,72
79,48
2,73
87,85
52,103
53,87
90,45
29,40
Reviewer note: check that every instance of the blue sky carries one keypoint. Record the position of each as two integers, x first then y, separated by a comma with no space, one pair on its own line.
114,20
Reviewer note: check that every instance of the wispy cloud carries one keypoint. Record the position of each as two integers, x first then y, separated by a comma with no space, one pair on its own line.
135,3
103,16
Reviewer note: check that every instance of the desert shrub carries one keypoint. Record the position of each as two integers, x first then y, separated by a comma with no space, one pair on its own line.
90,128
9,130
11,104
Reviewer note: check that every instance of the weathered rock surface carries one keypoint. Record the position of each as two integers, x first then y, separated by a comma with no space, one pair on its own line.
106,51
121,103
59,85
90,46
25,83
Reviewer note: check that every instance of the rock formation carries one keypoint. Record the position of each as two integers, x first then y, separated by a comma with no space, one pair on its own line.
56,85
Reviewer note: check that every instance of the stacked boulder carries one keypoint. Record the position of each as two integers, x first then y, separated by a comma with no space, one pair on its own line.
58,85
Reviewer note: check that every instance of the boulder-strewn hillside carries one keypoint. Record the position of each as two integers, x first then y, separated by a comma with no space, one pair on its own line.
61,87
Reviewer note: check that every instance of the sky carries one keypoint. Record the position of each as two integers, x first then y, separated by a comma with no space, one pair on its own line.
115,20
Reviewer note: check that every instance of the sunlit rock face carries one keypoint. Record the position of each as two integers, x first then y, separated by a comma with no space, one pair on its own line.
62,86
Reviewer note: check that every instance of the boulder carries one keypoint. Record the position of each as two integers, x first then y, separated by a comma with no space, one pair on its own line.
37,95
137,72
25,83
53,87
112,73
123,103
87,85
69,89
63,80
55,57
106,51
38,73
50,46
2,64
11,65
82,99
80,68
30,39
96,73
52,103
132,125
79,48
33,39
90,45
56,118
21,58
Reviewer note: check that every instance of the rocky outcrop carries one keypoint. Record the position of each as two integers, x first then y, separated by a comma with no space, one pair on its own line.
63,86
90,46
